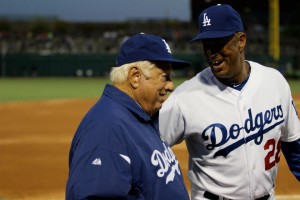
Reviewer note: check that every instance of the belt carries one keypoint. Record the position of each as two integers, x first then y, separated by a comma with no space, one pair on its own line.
212,196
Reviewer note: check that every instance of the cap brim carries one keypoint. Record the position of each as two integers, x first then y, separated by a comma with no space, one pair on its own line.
212,35
176,64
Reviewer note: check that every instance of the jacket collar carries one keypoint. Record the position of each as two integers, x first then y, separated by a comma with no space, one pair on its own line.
125,100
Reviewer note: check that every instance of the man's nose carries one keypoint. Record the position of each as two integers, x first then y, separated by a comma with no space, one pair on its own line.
170,86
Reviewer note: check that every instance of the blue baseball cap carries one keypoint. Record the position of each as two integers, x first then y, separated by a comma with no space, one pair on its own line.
143,46
218,21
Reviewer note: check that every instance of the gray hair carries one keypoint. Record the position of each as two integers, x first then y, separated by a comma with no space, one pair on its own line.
120,74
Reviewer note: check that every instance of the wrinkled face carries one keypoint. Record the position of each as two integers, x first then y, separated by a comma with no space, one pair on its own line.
153,89
225,56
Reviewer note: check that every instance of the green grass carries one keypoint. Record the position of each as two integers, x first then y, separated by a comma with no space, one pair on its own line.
24,89
27,89
295,85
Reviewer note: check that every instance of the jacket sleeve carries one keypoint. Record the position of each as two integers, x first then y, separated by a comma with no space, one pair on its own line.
99,174
291,151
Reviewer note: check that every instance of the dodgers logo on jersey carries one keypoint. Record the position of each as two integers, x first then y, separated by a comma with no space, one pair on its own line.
255,126
166,162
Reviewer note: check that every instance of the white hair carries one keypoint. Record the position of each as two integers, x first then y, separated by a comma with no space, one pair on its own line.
120,74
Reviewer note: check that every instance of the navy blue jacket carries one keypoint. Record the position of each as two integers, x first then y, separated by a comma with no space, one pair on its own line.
117,153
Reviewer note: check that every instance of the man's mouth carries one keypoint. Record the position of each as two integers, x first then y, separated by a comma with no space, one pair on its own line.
217,65
216,62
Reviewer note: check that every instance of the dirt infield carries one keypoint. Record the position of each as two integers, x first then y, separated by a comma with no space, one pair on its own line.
34,147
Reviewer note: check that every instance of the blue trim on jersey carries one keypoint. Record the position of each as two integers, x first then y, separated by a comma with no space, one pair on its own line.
291,151
117,153
295,107
240,85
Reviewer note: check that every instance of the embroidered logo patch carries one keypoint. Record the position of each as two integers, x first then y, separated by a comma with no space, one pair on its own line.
97,161
206,20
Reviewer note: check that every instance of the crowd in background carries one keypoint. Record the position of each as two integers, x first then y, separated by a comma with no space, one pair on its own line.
108,41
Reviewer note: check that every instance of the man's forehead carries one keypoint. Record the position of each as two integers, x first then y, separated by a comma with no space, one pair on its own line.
163,65
220,41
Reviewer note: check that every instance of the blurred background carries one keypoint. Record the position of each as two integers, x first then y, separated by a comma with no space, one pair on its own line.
82,37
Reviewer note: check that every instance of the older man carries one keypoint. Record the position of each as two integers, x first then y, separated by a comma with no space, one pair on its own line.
117,152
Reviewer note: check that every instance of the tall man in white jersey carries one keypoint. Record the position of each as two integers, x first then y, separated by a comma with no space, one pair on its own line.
235,116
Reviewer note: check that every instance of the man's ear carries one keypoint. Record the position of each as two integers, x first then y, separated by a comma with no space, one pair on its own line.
134,76
242,40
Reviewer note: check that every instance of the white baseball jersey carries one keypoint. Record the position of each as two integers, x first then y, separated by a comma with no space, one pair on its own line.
233,137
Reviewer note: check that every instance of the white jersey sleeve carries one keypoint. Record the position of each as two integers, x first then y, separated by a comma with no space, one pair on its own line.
171,122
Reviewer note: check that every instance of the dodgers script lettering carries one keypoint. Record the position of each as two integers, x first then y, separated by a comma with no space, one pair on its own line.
166,162
255,126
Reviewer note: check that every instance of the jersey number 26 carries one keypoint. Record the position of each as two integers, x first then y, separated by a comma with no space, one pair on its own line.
274,149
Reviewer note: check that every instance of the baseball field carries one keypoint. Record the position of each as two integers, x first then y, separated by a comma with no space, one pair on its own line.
38,118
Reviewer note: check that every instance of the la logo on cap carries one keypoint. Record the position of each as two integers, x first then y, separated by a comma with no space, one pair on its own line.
167,46
206,20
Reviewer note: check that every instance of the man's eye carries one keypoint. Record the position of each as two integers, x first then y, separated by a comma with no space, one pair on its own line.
164,78
167,78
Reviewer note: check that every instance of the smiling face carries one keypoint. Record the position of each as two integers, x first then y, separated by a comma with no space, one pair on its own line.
225,56
153,88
